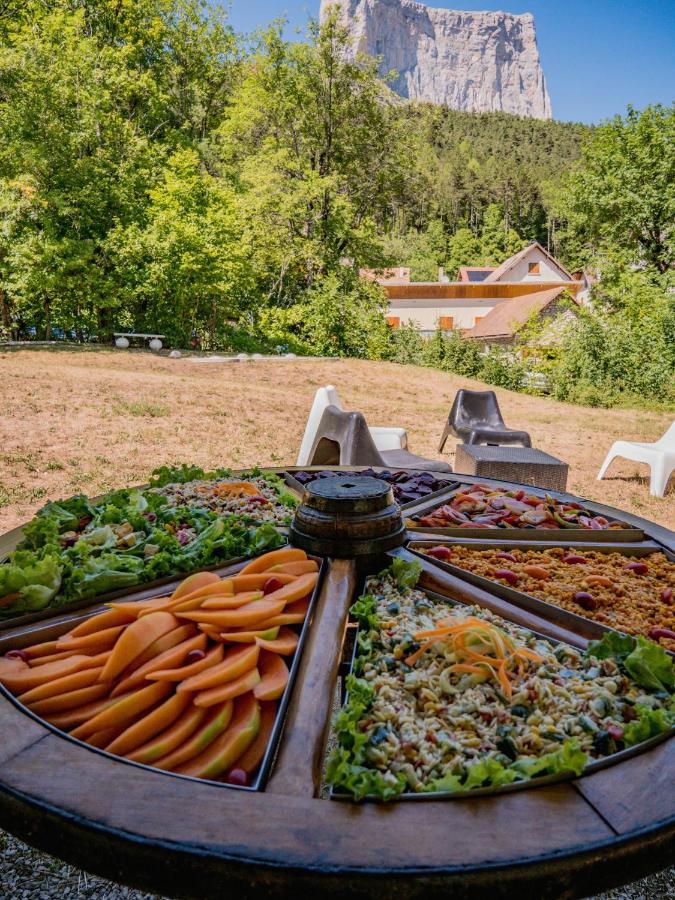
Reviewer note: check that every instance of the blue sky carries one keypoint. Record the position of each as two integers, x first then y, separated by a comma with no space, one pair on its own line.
598,56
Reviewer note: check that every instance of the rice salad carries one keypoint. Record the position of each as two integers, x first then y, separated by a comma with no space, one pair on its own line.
450,698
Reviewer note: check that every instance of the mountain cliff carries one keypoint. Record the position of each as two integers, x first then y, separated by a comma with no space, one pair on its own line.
475,61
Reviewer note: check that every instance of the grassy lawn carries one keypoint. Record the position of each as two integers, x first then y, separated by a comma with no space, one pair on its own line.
92,420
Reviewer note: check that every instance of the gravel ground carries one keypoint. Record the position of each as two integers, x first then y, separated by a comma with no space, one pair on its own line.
26,874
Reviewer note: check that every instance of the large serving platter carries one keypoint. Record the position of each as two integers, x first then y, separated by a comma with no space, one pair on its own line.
188,837
20,637
418,510
581,625
593,766
11,539
452,482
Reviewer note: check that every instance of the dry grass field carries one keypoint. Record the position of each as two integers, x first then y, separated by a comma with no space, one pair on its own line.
92,420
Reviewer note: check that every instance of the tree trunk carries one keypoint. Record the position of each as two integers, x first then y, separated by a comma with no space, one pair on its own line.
6,313
48,319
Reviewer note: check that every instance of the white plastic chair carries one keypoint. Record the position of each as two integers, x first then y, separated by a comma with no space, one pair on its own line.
659,456
384,438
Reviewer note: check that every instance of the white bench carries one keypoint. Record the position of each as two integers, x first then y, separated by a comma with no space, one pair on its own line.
122,339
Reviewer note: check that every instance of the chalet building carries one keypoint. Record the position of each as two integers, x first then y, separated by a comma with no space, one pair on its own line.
465,304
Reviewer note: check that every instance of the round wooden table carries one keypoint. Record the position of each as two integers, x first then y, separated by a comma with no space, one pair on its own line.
185,838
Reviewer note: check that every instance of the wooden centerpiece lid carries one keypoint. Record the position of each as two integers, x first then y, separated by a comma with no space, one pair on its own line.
348,516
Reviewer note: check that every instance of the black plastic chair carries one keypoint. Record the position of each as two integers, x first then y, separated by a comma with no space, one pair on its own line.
475,418
343,439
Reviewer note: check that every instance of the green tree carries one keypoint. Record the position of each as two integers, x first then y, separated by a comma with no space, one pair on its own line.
497,240
464,249
94,97
318,155
187,267
622,193
340,315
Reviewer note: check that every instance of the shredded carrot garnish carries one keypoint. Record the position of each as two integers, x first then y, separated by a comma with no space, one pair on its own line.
480,649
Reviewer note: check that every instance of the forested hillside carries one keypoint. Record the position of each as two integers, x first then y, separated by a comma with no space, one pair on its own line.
490,184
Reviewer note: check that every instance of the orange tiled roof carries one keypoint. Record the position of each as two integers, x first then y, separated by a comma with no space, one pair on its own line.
504,320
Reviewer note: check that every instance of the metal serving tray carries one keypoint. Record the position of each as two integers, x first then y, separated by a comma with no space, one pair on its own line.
10,539
583,626
530,784
277,730
144,588
614,535
451,485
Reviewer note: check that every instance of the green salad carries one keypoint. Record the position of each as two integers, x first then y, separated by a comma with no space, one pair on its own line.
80,548
451,698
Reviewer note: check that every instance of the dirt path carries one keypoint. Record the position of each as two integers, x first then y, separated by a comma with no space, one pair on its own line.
88,421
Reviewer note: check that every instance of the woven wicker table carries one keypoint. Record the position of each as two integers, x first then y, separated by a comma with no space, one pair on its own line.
522,464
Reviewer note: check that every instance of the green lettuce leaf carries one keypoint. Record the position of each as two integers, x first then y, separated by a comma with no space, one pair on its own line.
264,538
364,611
102,574
360,781
569,757
345,769
35,580
612,646
651,666
649,723
645,661
488,772
55,518
102,537
406,572
447,782
176,475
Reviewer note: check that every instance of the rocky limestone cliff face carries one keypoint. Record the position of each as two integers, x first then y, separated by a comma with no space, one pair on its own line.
477,61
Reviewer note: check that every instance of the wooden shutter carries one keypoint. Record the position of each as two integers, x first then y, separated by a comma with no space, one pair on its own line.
446,323
394,321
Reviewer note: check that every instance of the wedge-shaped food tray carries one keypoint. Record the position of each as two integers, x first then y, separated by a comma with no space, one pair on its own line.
539,781
608,535
133,592
451,485
10,540
583,626
37,634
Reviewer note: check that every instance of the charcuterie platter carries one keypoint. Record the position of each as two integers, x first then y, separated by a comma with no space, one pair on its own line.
260,705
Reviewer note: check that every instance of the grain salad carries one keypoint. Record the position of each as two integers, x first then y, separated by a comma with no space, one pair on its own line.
485,703
256,497
633,594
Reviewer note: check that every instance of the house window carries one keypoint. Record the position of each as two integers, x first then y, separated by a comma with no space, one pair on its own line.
446,323
394,321
533,268
478,319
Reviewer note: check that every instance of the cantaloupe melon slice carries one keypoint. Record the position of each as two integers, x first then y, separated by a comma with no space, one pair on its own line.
284,644
274,676
239,735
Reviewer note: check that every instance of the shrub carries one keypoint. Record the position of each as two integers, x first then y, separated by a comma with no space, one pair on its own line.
503,368
406,346
607,359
